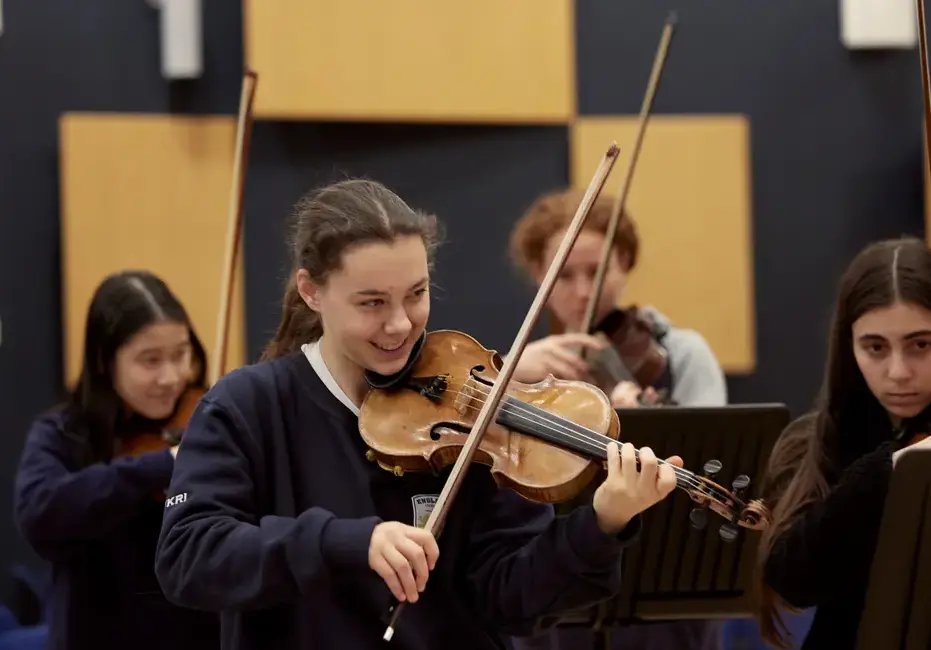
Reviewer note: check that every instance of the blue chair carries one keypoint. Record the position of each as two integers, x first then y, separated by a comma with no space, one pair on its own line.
25,638
13,634
744,633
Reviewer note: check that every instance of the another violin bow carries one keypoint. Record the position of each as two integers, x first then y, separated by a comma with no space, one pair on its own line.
621,199
234,223
925,82
451,488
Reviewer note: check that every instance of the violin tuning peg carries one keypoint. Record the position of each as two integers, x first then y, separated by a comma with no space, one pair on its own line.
728,532
711,468
740,485
699,517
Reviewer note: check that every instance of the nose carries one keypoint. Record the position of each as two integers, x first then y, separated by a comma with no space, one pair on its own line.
583,287
398,322
171,373
899,369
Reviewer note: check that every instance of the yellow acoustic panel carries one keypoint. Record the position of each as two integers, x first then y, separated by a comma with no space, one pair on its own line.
147,192
690,199
481,61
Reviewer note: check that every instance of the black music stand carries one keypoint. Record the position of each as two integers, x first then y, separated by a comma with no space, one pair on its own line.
898,598
678,572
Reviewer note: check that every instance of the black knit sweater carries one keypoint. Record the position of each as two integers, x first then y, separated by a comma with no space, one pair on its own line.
823,560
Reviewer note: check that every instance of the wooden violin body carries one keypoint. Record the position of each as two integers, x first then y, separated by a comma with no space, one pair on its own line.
170,435
632,352
423,423
547,441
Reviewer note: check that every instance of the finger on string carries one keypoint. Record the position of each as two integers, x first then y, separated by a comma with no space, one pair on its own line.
629,462
648,467
614,461
665,479
676,460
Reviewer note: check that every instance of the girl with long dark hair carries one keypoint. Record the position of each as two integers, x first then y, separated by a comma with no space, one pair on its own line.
829,473
93,511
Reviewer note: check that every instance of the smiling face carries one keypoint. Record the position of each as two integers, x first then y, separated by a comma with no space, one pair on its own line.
892,346
153,368
375,306
576,281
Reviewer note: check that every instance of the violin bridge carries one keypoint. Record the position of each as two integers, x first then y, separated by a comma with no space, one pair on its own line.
466,396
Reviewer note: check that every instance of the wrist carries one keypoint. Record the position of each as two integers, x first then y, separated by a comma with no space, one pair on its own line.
612,525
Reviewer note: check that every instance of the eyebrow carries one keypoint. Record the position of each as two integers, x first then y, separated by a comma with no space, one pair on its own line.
158,348
910,335
376,292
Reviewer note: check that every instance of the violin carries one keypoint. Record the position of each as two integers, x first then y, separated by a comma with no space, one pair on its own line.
169,435
547,441
632,353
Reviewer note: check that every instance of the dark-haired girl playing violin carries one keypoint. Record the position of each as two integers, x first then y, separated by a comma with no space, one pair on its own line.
829,472
94,511
276,518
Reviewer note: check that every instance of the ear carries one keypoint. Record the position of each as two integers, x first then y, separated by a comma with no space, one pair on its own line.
309,290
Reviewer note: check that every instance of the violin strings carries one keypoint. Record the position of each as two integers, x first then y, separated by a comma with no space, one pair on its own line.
515,407
685,478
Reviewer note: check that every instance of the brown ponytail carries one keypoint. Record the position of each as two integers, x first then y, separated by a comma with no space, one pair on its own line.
299,324
325,223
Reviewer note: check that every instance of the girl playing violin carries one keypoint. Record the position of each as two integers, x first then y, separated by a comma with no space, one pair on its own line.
93,512
829,473
693,375
277,519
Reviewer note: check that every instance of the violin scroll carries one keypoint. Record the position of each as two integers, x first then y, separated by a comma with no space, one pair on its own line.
729,504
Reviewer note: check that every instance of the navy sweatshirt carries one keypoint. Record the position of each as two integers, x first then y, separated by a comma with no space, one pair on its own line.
272,506
98,526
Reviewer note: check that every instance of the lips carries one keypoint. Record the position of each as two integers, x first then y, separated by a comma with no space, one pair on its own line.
391,353
902,398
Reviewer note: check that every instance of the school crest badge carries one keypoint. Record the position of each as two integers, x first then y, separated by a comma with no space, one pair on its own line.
423,506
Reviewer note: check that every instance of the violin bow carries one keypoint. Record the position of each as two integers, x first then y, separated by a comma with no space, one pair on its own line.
925,82
234,223
437,518
618,208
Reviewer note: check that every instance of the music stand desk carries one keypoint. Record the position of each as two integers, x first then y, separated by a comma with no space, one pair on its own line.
675,571
897,608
